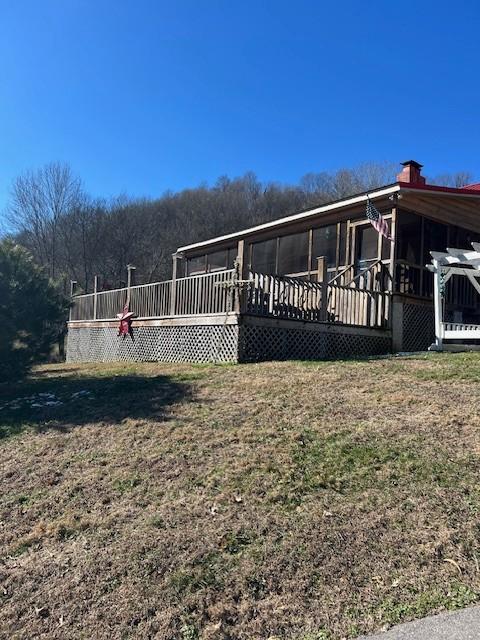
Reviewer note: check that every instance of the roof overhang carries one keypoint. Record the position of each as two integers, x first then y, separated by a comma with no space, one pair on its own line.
339,204
417,195
449,206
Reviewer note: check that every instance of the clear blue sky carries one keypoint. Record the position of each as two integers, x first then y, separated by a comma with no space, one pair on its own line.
142,96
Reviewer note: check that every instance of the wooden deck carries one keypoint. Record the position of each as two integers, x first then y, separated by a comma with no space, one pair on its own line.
223,293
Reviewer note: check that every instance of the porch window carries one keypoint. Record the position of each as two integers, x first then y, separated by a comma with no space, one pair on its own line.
387,244
197,265
342,245
434,238
217,261
293,254
325,244
231,256
462,238
409,237
366,246
264,257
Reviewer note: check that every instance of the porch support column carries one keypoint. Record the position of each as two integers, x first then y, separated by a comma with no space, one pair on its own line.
242,274
393,247
322,278
173,290
130,268
73,286
437,302
95,291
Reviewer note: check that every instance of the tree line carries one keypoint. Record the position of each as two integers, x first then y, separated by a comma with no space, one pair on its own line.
73,236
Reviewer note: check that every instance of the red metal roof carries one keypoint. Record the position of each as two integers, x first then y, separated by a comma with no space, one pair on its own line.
471,189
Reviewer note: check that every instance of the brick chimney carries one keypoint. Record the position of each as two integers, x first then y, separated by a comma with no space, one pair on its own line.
411,173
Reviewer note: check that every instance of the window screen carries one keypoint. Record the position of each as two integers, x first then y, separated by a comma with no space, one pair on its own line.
325,244
196,265
387,244
217,260
409,237
462,238
434,238
293,254
231,257
342,248
366,243
264,256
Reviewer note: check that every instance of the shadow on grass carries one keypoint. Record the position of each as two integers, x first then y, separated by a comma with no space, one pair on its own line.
61,402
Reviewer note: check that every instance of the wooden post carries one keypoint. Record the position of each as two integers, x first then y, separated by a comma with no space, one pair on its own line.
241,274
130,268
322,278
437,301
95,291
393,248
73,285
242,259
422,249
173,290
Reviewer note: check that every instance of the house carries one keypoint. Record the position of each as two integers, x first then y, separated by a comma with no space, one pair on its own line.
318,283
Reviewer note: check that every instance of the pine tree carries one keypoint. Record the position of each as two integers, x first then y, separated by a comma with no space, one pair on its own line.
32,312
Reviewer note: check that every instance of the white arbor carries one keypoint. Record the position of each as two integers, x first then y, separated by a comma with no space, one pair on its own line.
461,262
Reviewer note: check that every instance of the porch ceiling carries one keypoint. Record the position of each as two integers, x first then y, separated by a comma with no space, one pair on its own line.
463,211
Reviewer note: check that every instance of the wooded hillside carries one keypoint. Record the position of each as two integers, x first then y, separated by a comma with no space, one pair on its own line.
74,236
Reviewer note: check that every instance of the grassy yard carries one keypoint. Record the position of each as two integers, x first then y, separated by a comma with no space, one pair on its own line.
301,501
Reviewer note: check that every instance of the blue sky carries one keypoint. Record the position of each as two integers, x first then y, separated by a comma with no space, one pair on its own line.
142,96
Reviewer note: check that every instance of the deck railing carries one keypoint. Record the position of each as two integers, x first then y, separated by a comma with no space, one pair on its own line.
194,295
283,297
294,298
375,277
203,294
358,307
460,331
109,303
414,280
82,307
151,300
261,295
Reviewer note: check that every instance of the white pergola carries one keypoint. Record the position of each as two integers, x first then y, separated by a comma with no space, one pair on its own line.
462,262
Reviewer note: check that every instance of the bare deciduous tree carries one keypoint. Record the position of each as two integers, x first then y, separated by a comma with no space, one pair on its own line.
39,199
457,179
73,236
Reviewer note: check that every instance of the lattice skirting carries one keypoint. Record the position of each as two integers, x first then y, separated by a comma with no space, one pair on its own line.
219,343
276,343
418,327
168,344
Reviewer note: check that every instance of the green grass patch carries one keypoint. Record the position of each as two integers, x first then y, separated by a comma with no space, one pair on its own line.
418,605
207,571
125,485
349,464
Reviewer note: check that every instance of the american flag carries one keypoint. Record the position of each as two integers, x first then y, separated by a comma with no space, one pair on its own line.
377,220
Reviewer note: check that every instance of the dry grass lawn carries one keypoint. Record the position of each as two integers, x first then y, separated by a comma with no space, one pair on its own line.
301,501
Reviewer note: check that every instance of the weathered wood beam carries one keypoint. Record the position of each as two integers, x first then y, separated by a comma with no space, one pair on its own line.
469,220
447,204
